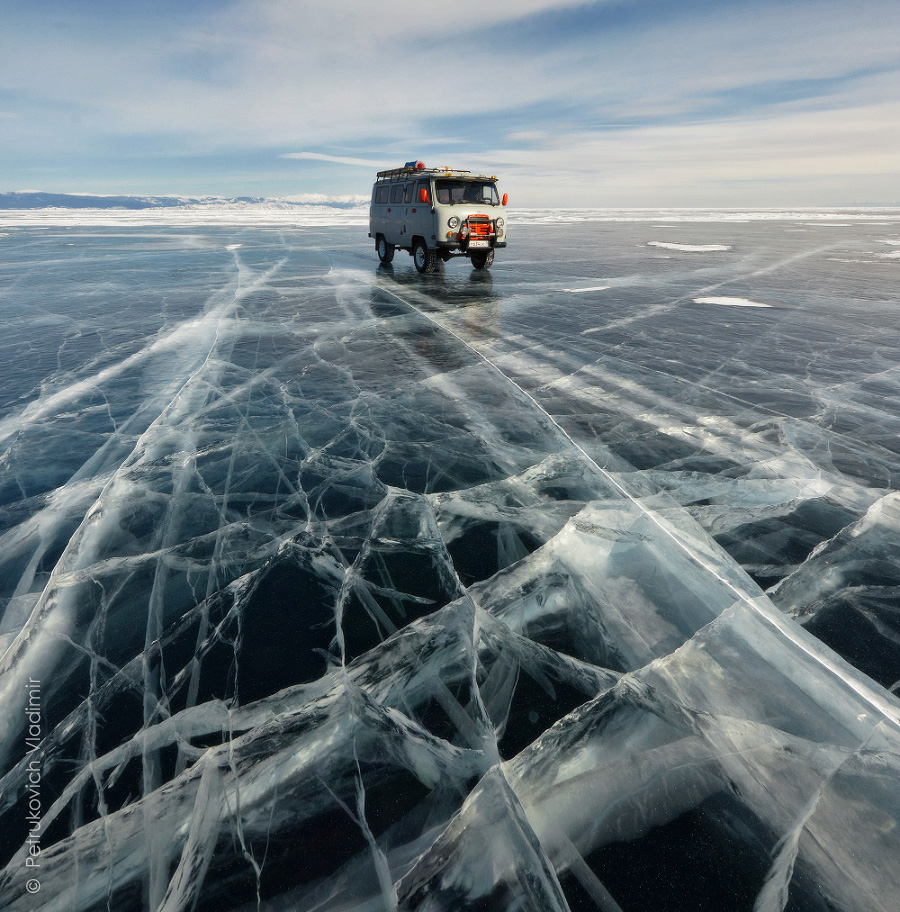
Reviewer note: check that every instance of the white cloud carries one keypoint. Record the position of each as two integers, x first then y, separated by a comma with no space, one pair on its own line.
794,158
337,159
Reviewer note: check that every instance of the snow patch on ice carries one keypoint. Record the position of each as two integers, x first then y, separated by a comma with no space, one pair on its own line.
729,302
690,248
582,290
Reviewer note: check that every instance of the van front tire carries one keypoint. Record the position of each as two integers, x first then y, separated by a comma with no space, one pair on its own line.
384,250
483,260
425,259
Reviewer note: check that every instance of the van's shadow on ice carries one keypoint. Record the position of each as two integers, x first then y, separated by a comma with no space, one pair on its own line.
455,290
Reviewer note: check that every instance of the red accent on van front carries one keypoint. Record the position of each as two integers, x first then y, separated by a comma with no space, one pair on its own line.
479,226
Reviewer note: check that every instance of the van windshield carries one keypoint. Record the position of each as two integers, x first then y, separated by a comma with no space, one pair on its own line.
451,192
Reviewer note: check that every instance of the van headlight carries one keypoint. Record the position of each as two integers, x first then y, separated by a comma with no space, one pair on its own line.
499,222
452,222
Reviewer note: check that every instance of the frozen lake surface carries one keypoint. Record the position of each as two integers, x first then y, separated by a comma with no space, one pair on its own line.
574,584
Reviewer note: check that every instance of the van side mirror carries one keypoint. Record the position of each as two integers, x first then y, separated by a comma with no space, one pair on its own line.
423,197
505,198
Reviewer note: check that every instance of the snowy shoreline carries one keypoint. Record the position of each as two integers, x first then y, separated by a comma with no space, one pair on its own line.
271,213
300,216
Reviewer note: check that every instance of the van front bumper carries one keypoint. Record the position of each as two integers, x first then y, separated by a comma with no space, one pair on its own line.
466,248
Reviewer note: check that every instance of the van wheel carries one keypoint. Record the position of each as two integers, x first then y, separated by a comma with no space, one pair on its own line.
425,259
483,260
384,249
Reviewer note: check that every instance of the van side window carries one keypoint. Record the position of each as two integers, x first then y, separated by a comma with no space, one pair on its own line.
408,198
381,194
397,193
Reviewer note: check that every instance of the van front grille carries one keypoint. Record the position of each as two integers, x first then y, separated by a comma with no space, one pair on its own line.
479,226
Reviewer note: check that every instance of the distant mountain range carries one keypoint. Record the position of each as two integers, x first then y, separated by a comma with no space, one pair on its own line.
28,199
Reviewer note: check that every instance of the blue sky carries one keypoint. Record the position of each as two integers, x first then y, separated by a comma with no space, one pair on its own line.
607,103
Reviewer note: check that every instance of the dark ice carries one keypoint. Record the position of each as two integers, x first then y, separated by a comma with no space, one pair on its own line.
574,584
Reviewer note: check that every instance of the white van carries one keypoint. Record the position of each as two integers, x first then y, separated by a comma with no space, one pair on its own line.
437,213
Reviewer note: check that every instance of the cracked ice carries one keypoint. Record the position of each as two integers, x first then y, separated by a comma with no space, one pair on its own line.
346,588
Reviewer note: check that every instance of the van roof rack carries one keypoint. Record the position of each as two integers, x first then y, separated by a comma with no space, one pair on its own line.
411,170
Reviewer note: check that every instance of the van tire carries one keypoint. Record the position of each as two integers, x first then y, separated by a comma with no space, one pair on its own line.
483,260
425,259
384,250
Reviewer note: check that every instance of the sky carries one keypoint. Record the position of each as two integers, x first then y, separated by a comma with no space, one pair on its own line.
645,103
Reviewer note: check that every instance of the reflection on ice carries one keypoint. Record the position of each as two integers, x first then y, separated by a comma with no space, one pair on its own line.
344,588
